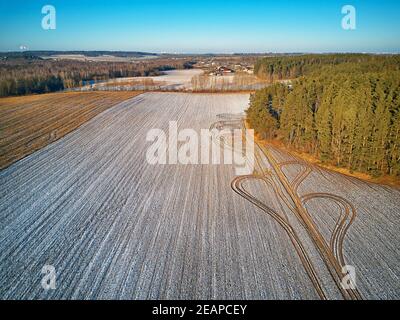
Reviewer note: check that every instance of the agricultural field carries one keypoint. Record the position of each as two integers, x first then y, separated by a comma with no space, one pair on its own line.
100,58
225,83
115,226
170,80
190,80
29,123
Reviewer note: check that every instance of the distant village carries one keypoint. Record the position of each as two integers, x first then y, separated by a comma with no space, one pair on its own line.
214,67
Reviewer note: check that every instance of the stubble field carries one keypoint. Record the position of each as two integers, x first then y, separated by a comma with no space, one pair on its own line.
29,123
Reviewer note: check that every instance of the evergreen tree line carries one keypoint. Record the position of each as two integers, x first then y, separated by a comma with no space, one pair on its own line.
343,114
27,75
290,67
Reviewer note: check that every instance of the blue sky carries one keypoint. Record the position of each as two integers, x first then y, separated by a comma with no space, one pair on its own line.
202,26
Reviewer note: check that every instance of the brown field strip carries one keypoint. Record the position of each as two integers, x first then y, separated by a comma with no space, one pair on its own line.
30,123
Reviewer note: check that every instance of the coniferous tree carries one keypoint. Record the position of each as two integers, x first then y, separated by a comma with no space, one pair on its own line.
346,109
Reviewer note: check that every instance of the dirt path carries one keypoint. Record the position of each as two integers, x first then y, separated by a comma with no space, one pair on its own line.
330,249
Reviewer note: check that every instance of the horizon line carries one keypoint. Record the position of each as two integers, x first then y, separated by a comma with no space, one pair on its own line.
208,53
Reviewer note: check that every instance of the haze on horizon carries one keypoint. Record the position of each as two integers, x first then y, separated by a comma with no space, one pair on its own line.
202,26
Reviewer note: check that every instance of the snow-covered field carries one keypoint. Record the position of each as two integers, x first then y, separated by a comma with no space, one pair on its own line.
114,226
171,80
102,58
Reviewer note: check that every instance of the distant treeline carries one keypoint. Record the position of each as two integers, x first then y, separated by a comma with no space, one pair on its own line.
280,68
346,112
30,74
37,54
